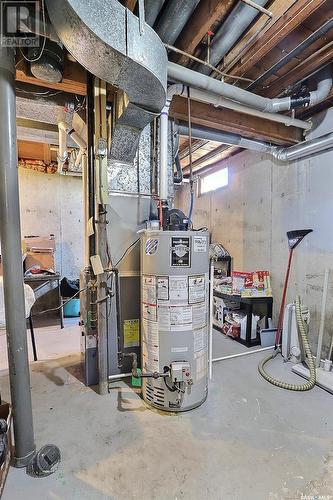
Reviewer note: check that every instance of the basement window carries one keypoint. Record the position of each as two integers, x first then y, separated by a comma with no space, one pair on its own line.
214,181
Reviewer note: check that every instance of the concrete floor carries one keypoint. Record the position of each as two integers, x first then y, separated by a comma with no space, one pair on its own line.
250,440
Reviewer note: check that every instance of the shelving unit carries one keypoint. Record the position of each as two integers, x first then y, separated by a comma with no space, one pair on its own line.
251,305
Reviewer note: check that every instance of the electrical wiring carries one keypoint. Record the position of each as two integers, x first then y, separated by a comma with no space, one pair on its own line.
44,39
62,305
127,251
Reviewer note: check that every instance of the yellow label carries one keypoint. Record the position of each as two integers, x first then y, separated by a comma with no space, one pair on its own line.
131,333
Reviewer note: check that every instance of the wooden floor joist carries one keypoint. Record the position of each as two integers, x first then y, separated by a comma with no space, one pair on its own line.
266,41
235,122
73,82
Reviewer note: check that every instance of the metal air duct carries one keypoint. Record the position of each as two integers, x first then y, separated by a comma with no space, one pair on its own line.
106,39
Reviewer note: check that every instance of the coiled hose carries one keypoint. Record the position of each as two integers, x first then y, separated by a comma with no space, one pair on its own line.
302,331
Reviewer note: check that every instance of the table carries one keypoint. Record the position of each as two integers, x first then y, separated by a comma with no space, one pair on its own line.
249,305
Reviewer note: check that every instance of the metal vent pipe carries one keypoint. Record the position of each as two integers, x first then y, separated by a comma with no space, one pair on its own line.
152,9
174,18
231,30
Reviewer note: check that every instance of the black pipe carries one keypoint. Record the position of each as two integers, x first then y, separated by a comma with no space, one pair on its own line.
90,158
294,53
178,176
300,102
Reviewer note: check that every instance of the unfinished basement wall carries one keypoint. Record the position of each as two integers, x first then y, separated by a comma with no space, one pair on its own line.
52,203
264,199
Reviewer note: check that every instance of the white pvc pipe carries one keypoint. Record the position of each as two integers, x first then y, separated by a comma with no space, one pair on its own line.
210,331
231,356
322,318
216,100
62,151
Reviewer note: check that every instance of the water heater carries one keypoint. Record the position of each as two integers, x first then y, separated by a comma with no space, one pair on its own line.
174,318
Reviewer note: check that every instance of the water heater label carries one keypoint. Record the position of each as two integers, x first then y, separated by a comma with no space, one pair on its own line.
196,289
178,290
180,252
200,244
163,287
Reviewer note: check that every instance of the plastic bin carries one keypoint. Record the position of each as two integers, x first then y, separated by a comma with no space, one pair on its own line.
267,337
72,308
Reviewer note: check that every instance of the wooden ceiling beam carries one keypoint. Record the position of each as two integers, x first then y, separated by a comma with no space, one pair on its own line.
235,122
129,4
73,82
201,21
269,39
301,71
278,8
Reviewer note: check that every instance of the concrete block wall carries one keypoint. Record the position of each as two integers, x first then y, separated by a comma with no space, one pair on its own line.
52,203
264,199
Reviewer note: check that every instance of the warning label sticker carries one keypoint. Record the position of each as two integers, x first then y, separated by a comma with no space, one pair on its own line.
175,318
131,333
181,317
163,288
199,315
178,289
199,341
149,289
150,357
150,346
196,289
200,244
149,311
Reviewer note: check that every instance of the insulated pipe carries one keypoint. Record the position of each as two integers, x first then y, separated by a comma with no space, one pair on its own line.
198,80
152,9
231,30
217,101
10,236
175,16
199,132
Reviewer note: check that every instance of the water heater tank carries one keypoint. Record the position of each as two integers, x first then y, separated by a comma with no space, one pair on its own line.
174,301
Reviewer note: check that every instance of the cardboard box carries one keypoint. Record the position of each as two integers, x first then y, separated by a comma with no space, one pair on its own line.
44,244
43,260
40,252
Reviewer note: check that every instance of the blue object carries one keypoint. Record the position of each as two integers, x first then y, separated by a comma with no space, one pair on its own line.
72,308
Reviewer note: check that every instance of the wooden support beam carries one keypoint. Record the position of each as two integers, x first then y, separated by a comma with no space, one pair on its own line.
213,164
267,40
73,82
201,21
235,122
